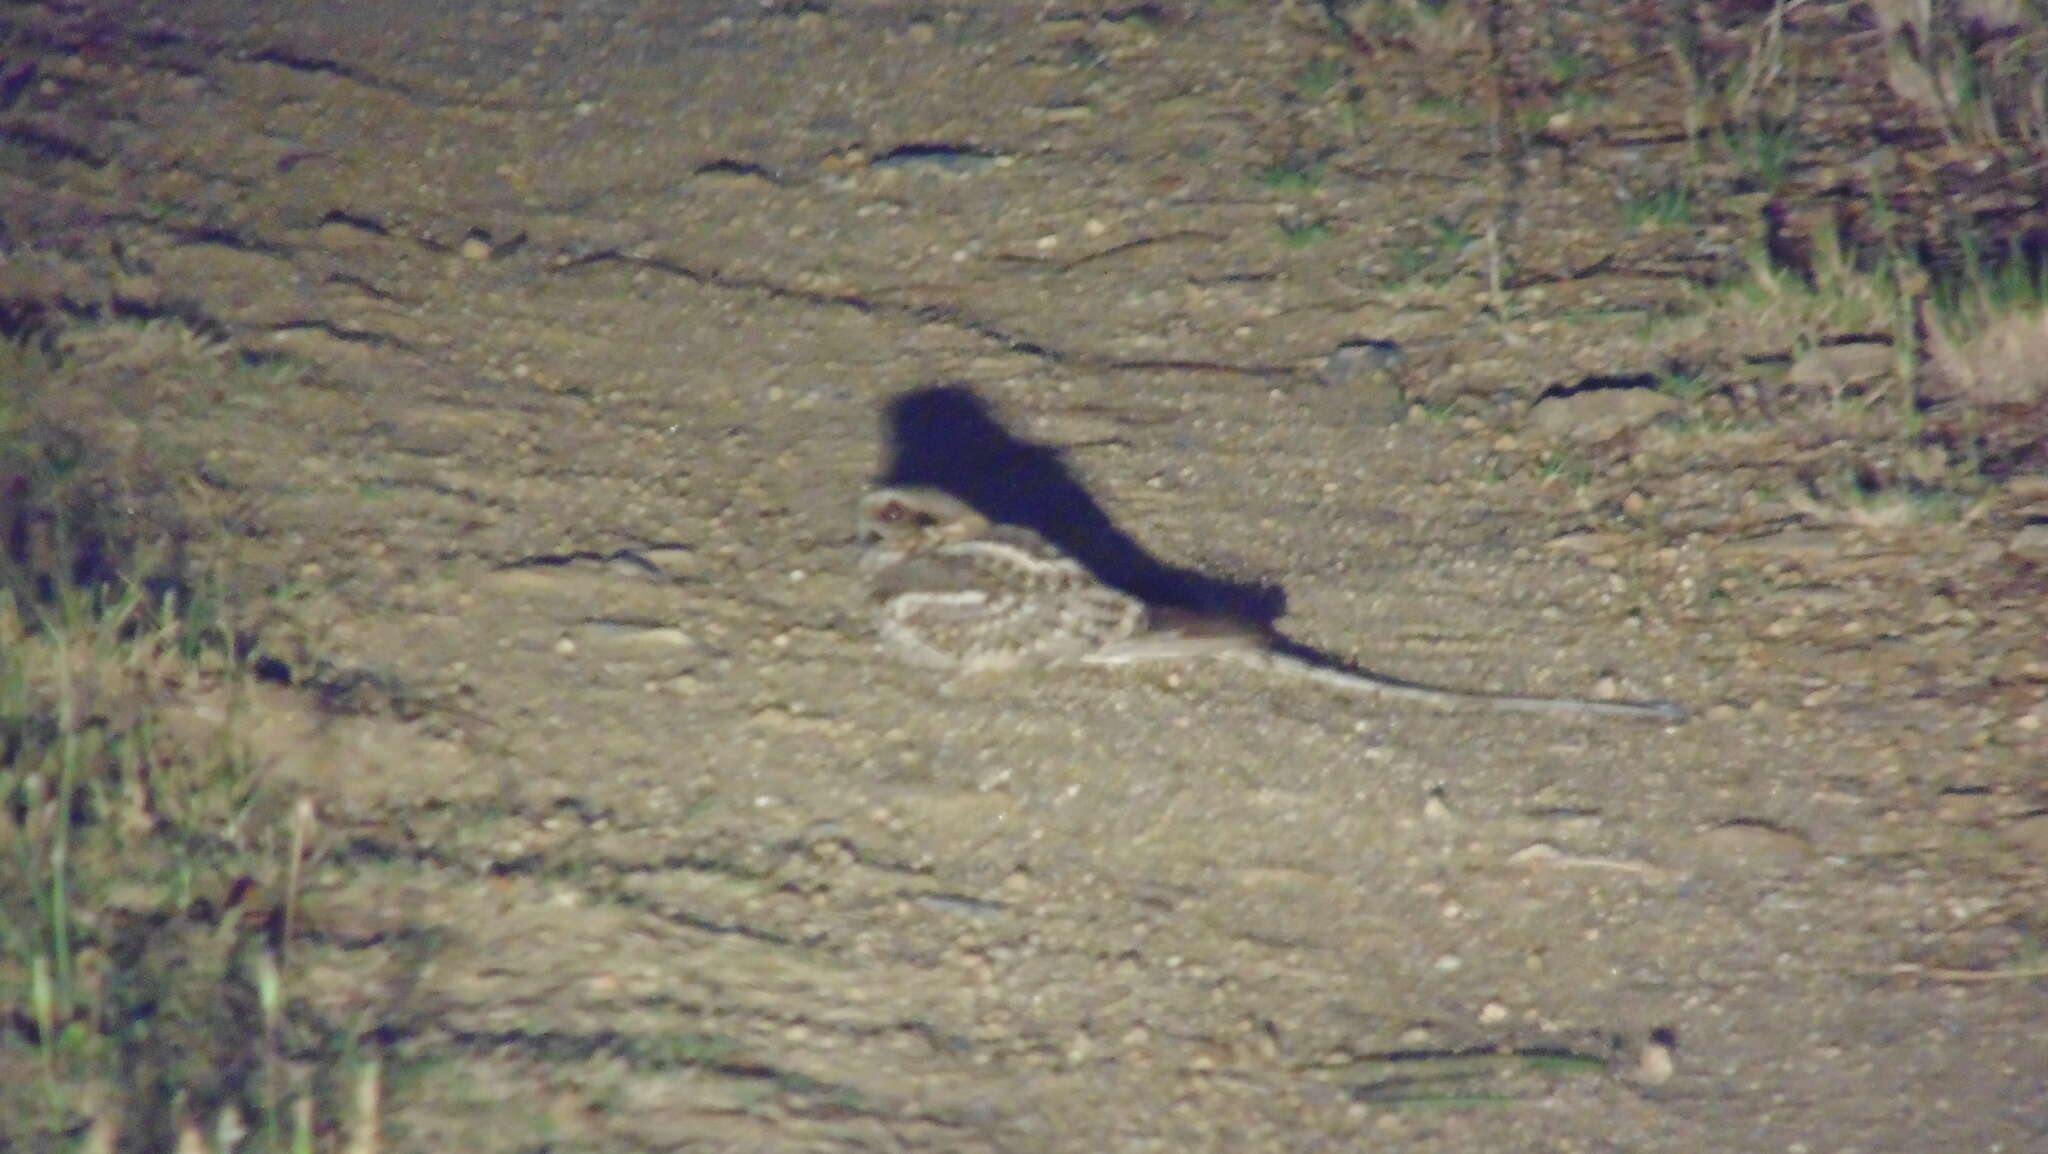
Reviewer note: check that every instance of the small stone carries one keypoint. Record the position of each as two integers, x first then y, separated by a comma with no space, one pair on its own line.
1595,414
2030,543
1964,806
1587,542
1754,845
628,633
1836,367
1654,1066
1353,360
1820,697
2002,364
1363,369
1492,1013
1536,853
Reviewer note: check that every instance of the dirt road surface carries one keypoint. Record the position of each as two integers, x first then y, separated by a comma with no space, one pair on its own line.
602,316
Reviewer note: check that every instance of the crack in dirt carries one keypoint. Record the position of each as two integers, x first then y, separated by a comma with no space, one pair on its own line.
51,145
370,338
943,315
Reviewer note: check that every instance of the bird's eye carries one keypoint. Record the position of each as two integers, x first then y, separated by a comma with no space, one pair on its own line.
898,513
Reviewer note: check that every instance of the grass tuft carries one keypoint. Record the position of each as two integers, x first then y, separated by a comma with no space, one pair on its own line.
146,874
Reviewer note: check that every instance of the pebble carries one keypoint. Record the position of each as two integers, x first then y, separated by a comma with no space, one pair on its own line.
1655,1065
1597,414
1363,370
629,633
672,561
2030,543
1354,360
957,905
1834,368
682,685
1587,542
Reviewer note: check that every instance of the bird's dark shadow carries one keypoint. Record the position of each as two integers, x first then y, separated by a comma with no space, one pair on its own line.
946,437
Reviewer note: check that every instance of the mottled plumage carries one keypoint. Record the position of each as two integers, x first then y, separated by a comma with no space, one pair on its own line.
953,591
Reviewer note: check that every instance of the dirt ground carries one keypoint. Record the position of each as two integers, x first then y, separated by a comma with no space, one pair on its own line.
604,313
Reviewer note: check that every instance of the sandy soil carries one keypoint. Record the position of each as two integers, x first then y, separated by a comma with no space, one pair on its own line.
604,315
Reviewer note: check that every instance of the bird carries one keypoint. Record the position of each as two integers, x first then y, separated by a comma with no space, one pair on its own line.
951,590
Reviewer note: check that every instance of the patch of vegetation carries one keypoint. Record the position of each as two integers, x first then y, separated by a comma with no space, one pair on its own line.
1445,242
1686,385
149,883
1980,72
1293,177
1665,207
1835,293
1965,331
1318,77
1435,28
1973,297
1303,233
1449,107
1864,498
1985,329
1764,150
1562,69
1741,96
1574,469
